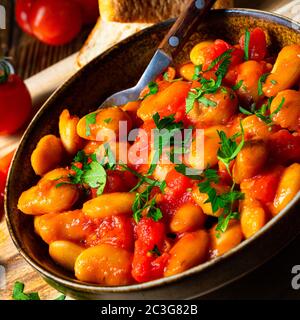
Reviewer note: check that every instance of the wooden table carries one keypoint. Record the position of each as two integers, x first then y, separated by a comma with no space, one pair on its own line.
270,281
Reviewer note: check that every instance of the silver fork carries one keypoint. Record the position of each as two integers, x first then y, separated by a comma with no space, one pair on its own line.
167,50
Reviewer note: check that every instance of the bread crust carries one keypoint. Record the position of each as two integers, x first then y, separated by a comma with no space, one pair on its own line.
149,11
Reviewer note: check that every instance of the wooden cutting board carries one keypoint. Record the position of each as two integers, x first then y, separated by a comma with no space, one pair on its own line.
16,269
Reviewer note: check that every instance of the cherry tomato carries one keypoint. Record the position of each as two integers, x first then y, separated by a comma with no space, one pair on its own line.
22,12
55,22
90,10
15,103
177,183
264,186
257,44
217,49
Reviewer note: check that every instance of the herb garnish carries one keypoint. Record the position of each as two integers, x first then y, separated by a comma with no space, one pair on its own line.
142,202
238,85
153,89
261,80
108,120
86,170
262,113
247,44
89,119
229,148
197,72
223,201
209,86
19,294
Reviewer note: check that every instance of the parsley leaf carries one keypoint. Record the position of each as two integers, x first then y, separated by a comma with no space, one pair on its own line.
167,122
247,44
207,102
224,201
224,56
189,172
209,85
229,148
86,170
142,203
108,120
197,72
95,177
19,294
262,113
89,119
153,89
261,80
238,85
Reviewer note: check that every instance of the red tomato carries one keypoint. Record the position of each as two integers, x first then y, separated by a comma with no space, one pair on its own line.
119,181
265,185
151,233
257,44
15,104
219,47
22,12
115,230
147,266
55,22
284,147
177,182
90,10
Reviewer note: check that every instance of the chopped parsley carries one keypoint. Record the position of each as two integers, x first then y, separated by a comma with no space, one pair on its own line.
209,86
166,76
167,122
226,56
229,148
19,294
142,202
238,85
197,72
224,201
153,89
274,82
247,44
261,80
263,113
108,120
86,170
89,119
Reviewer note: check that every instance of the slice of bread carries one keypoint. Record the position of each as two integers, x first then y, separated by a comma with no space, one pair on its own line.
150,11
135,15
104,35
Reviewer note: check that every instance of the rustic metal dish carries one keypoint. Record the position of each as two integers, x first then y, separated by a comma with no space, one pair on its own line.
116,69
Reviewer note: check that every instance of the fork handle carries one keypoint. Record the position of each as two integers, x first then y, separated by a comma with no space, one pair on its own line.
186,23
